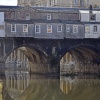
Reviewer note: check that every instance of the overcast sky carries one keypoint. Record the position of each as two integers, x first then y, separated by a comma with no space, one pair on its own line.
8,2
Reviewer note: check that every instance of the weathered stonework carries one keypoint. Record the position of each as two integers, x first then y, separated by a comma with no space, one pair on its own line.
59,3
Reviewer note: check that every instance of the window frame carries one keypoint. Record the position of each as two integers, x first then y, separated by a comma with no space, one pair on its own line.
93,17
39,27
1,27
67,28
87,28
48,16
58,28
49,29
75,2
75,26
95,29
27,17
25,30
81,3
13,27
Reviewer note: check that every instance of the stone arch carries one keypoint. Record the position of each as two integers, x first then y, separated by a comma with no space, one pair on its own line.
31,47
36,56
90,47
85,58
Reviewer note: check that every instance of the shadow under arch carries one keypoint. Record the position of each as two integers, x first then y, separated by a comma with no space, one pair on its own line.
81,46
33,47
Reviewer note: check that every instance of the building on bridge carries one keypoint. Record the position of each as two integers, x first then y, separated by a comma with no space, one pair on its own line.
91,22
52,23
2,25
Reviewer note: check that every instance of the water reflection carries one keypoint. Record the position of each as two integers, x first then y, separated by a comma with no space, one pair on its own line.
81,88
1,90
15,83
20,85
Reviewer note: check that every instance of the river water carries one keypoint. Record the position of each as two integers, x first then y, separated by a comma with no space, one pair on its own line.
20,85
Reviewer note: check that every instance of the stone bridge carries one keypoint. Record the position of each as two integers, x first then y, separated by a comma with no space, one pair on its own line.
45,54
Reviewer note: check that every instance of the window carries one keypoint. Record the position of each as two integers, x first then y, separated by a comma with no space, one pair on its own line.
75,2
59,28
87,2
50,2
92,17
1,27
67,29
28,17
81,2
49,28
25,28
55,2
95,29
48,16
37,28
87,29
13,27
75,29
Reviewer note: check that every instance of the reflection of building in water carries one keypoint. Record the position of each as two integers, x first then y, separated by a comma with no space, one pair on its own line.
67,64
1,85
17,59
67,83
17,80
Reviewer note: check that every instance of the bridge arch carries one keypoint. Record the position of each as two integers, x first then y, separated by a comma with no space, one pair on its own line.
82,56
33,47
35,55
91,47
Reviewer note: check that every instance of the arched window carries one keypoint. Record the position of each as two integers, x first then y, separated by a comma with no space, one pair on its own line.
28,17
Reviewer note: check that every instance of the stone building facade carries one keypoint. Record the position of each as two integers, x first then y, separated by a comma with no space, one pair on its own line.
59,3
2,31
43,23
52,23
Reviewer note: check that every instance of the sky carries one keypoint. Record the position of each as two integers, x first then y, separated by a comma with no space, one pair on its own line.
8,2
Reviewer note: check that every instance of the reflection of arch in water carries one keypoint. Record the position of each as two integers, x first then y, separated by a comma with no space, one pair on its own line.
49,89
42,89
66,85
88,89
79,87
16,82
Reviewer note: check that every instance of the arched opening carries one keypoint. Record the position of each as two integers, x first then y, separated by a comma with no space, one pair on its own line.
81,60
19,63
25,58
79,65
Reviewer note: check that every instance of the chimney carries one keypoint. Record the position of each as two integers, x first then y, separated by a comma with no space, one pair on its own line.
90,8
